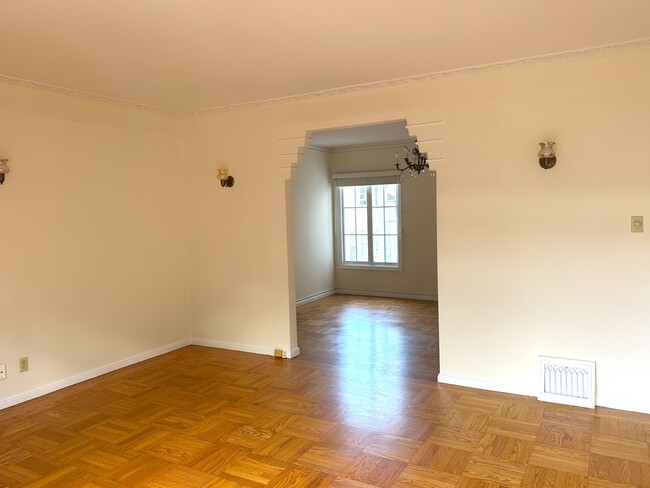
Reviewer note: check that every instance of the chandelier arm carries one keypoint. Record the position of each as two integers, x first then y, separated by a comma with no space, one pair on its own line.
400,169
414,161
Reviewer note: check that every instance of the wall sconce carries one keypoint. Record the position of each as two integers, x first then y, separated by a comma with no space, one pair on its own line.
4,169
546,155
226,181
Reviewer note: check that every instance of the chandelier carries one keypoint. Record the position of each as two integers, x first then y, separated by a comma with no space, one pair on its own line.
415,161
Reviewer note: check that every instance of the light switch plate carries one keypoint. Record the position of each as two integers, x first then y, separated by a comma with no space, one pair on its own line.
3,371
637,223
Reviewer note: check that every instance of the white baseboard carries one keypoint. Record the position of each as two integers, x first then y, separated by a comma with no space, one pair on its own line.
315,296
630,406
386,294
87,375
233,346
243,347
485,385
108,368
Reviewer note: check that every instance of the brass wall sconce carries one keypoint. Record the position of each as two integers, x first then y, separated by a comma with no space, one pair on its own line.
546,155
226,181
4,169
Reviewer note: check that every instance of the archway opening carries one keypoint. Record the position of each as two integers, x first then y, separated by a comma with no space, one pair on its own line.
360,298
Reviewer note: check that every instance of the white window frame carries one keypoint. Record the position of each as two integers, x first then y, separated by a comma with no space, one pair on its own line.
365,179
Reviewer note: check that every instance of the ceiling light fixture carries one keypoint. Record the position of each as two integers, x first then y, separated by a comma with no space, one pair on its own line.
415,161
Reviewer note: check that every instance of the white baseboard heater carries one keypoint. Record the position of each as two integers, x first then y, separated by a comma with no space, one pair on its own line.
567,381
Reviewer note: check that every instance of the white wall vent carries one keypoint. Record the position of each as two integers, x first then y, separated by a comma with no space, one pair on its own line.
567,381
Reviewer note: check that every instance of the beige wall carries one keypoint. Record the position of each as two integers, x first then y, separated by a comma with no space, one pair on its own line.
312,227
417,278
543,262
529,261
238,245
92,237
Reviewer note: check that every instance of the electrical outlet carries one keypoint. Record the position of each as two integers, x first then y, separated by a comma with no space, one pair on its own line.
637,223
3,371
23,364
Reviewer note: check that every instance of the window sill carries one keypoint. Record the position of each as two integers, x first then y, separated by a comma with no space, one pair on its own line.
370,267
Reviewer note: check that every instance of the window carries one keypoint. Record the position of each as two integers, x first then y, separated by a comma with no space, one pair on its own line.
368,222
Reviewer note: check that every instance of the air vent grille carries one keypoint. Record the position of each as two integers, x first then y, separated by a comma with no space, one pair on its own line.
567,381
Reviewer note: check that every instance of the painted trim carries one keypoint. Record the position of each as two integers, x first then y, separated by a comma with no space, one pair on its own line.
344,90
428,141
425,124
109,368
317,149
59,90
486,385
233,346
314,297
295,138
243,347
369,267
371,147
439,75
626,405
386,294
629,406
93,373
365,174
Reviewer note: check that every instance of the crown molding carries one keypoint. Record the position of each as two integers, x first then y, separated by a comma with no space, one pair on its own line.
345,90
439,75
59,90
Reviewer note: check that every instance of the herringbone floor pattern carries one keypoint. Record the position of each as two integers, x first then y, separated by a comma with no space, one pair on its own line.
359,408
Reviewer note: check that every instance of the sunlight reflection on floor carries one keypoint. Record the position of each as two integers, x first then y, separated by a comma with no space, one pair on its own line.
371,352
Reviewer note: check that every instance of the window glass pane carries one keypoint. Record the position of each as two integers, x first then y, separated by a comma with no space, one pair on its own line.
377,192
362,221
350,251
391,195
349,221
365,211
347,195
361,196
391,220
377,220
392,253
378,249
362,249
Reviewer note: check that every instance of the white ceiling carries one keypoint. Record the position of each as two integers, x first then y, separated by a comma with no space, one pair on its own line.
188,55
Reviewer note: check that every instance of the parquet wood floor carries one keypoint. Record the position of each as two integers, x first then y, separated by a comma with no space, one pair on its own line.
359,408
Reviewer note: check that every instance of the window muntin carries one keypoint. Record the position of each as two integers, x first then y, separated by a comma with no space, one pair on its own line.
370,215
